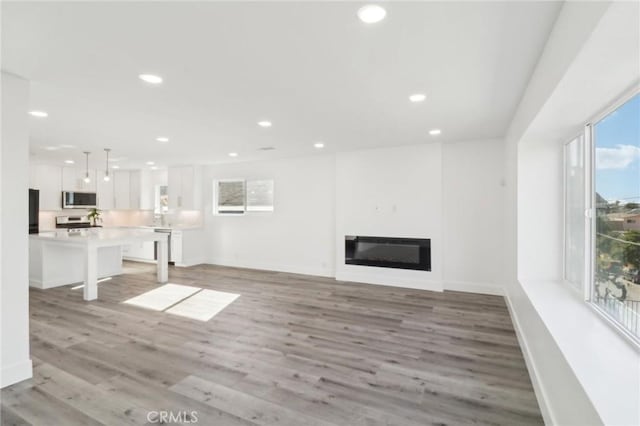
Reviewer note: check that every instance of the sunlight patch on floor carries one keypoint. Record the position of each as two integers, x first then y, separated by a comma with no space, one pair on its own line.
185,301
204,305
163,297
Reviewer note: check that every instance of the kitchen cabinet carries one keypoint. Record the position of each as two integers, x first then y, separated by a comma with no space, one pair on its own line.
140,250
121,190
48,180
73,179
105,192
132,190
126,190
185,188
176,246
188,246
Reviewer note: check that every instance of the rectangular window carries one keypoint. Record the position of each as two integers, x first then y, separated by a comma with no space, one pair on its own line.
260,195
574,206
161,201
240,196
230,197
615,261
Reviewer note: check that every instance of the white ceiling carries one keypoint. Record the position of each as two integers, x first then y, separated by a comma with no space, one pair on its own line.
313,69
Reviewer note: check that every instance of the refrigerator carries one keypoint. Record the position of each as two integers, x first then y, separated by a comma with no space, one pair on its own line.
34,210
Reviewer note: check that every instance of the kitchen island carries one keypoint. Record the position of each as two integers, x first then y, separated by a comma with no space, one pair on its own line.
60,258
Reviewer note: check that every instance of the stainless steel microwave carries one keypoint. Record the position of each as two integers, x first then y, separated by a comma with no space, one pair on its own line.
79,200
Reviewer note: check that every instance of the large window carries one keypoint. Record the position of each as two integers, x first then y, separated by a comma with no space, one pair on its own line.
615,259
240,196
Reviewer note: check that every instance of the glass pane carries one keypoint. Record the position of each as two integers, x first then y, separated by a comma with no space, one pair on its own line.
260,195
617,183
574,212
161,202
231,197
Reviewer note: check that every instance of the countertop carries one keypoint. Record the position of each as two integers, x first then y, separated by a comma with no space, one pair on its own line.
98,236
172,227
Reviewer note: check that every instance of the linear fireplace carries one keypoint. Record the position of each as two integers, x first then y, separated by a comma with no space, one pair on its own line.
385,252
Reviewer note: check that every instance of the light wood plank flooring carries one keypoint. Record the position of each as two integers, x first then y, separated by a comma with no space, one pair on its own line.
291,350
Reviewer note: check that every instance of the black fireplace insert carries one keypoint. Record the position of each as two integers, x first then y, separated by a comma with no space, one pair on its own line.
385,252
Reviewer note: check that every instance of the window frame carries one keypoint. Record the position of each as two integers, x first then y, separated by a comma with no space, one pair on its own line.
245,211
246,194
576,287
216,197
590,212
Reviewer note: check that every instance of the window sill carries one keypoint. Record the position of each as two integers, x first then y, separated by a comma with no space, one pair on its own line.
606,363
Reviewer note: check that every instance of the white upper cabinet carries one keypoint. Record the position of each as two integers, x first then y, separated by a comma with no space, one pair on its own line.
105,192
132,190
185,188
121,190
73,179
48,180
146,190
126,190
135,190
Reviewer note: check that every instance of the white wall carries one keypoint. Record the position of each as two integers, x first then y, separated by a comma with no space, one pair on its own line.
540,211
473,216
14,178
297,237
450,193
391,192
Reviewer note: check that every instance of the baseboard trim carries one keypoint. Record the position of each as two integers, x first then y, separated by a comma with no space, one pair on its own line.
292,269
475,287
139,260
16,373
391,281
191,262
538,387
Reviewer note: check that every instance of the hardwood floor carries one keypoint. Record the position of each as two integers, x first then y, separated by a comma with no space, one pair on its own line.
291,350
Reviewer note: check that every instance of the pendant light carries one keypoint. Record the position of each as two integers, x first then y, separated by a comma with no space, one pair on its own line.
106,169
87,179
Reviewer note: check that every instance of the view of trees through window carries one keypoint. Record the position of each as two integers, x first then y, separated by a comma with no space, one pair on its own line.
231,197
239,196
616,287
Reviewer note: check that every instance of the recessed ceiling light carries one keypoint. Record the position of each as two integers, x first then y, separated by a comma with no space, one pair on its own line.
115,167
150,78
67,146
154,168
69,161
371,13
233,154
318,145
39,114
52,148
264,123
435,132
162,139
418,97
150,163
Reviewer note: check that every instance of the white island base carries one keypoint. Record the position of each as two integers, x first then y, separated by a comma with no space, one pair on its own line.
61,258
54,265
